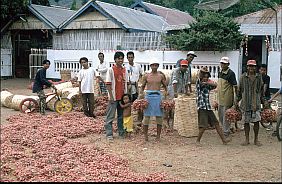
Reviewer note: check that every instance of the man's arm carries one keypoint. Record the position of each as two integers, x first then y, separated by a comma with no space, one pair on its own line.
144,82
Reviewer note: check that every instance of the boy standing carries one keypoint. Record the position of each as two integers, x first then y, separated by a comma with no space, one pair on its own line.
205,114
116,81
86,87
40,81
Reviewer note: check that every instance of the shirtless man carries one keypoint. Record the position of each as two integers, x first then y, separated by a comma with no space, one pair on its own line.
153,81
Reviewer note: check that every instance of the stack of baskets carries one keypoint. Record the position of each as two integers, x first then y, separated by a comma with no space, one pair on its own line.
186,116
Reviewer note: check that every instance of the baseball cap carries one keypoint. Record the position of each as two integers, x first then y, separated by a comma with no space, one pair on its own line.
184,62
252,62
191,53
224,60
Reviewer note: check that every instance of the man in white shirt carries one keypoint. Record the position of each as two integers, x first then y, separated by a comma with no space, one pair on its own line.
135,72
102,72
86,87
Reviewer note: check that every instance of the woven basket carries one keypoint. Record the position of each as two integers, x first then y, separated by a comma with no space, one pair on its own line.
17,99
6,98
186,116
63,85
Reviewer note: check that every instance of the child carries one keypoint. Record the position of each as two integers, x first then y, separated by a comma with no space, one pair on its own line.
125,103
205,115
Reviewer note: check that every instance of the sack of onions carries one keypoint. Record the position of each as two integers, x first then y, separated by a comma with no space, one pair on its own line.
268,115
232,115
140,104
167,105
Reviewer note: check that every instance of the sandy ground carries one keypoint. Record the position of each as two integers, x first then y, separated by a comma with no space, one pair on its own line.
211,162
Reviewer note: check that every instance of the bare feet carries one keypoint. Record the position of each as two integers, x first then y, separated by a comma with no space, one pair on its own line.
158,139
257,143
246,143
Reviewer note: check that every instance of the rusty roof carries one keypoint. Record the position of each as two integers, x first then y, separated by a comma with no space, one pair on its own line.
173,17
266,16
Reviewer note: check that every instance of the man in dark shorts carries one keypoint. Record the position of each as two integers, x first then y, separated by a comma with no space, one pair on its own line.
205,115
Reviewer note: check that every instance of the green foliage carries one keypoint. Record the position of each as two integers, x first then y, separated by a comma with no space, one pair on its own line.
212,31
73,5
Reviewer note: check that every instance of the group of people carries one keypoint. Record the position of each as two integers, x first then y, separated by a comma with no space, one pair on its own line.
120,83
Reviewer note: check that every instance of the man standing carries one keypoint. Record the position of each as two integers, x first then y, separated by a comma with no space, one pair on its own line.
116,81
40,81
102,71
135,72
180,79
250,94
266,81
227,84
86,76
153,81
190,57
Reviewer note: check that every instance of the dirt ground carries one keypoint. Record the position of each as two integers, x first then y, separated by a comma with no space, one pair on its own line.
210,162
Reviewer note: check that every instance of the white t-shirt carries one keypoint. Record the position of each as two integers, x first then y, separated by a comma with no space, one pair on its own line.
102,70
87,77
134,71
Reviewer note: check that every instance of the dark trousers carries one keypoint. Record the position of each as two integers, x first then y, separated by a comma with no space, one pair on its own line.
88,103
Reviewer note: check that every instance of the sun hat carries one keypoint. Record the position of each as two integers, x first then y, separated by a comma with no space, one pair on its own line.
184,62
224,60
191,53
252,62
153,61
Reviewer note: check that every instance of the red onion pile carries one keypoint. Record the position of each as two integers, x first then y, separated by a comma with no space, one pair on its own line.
41,148
101,103
168,105
232,115
140,104
268,115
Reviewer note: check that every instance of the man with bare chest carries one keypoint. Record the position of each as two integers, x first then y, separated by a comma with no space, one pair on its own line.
153,82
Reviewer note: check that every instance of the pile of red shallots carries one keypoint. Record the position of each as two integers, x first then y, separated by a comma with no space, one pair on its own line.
101,103
140,104
268,115
232,115
43,148
168,105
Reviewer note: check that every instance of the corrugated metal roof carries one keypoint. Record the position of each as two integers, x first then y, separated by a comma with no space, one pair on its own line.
173,16
53,16
134,19
266,16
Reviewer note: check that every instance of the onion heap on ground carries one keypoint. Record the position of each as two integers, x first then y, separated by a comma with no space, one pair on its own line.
101,103
44,148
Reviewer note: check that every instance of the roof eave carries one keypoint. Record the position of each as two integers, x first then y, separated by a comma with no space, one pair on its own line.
83,8
40,17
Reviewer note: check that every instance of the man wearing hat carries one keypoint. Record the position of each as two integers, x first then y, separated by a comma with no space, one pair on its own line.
180,79
227,84
153,82
250,94
190,57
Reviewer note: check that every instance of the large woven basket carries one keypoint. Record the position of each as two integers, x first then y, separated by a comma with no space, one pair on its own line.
186,116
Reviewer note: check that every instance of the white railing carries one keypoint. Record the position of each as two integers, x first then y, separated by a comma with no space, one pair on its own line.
213,68
71,65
